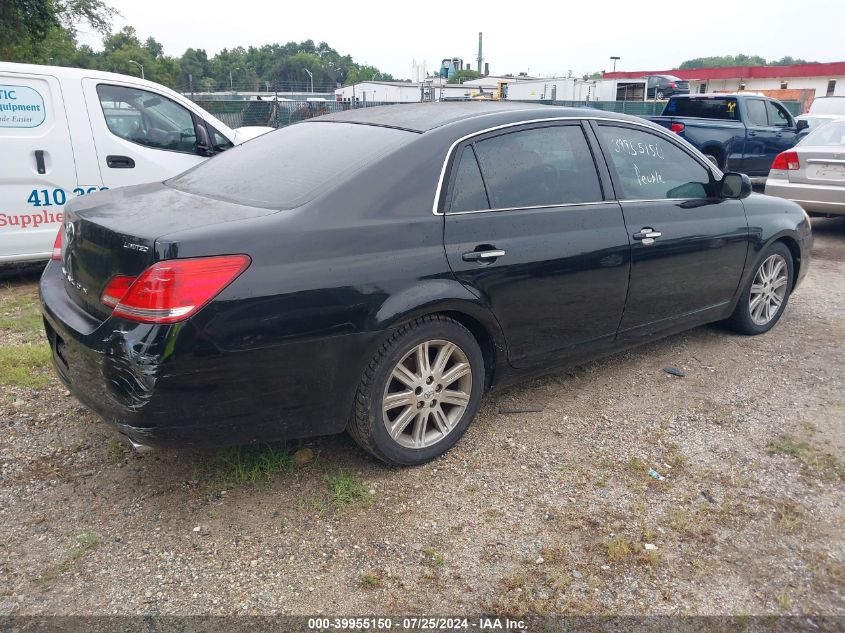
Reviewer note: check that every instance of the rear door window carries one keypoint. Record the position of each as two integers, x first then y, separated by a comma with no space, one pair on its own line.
756,109
468,192
543,166
707,108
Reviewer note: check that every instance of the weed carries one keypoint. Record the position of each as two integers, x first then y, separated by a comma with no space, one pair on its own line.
252,465
786,445
85,542
439,560
789,515
115,450
427,552
618,549
346,489
370,581
784,601
19,312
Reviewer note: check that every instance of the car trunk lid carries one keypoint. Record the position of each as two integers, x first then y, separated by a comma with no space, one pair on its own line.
819,166
115,232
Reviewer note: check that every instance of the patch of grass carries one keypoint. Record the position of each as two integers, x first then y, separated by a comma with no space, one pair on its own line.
618,549
789,516
370,581
115,450
346,488
19,311
784,601
25,365
786,445
252,465
85,542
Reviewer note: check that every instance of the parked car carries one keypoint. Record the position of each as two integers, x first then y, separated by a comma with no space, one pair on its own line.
823,110
813,172
69,132
380,269
736,132
664,86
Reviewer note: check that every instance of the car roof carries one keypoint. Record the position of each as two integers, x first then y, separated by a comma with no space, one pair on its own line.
422,117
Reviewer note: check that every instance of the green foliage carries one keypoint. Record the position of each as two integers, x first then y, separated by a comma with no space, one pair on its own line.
461,76
720,61
25,365
44,32
346,489
252,465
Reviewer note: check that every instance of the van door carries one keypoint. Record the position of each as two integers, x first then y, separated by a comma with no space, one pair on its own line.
39,173
141,135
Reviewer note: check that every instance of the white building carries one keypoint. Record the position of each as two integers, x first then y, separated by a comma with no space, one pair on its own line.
432,89
554,89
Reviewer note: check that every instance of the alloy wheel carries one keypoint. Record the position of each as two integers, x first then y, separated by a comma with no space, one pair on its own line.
768,290
427,393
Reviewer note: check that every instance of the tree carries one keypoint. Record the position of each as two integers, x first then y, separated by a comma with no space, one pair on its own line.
739,60
460,76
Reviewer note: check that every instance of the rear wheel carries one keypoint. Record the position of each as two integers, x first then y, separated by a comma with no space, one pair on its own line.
767,292
419,393
659,95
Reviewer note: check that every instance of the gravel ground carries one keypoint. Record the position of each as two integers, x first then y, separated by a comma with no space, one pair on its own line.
545,512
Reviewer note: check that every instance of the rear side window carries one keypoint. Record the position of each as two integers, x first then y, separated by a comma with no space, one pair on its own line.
147,118
650,167
708,108
468,192
288,167
756,112
544,166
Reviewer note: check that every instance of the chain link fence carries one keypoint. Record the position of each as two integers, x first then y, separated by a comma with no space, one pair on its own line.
279,113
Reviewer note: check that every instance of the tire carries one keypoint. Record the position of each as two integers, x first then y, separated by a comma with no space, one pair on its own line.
758,318
659,95
413,439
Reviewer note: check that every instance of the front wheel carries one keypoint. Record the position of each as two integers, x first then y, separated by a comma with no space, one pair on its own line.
419,393
766,294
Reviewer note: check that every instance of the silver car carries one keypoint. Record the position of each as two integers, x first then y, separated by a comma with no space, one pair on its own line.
813,172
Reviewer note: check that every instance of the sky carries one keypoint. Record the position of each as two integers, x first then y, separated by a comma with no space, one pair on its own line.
541,38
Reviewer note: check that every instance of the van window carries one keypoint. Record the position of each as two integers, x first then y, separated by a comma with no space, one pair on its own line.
544,166
147,118
290,166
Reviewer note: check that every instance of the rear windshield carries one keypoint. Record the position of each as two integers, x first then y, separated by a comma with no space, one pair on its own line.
718,108
828,105
830,135
288,167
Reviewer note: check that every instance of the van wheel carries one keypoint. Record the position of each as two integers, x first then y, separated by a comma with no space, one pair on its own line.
419,392
766,294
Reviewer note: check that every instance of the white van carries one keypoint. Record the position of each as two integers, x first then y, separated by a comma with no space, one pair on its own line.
67,132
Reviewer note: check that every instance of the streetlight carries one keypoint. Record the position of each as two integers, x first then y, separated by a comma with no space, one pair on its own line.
141,66
311,76
615,59
231,85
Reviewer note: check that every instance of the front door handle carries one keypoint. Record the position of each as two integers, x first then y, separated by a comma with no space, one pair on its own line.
647,235
483,256
120,162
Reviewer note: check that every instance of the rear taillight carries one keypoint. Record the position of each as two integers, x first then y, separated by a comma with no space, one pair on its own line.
677,128
672,84
57,246
787,161
175,289
116,289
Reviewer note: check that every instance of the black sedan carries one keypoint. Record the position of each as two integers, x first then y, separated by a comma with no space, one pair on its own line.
379,270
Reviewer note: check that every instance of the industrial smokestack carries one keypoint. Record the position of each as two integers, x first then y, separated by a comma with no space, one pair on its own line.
480,57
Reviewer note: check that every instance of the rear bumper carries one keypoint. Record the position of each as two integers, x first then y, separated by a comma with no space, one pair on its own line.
812,198
169,386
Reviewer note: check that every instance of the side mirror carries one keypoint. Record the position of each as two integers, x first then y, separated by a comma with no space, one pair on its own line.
735,185
203,146
802,124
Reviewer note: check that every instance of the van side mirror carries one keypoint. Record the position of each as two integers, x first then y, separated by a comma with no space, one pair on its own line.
802,124
735,185
203,147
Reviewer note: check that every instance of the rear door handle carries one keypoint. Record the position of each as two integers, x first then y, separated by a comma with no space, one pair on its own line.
647,235
483,256
120,162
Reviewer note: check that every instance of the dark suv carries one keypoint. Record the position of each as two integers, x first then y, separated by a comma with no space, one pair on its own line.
665,86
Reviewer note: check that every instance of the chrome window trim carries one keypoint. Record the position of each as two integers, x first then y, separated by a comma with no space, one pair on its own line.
645,125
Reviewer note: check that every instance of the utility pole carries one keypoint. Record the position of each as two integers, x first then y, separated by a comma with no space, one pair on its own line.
615,59
231,85
141,66
311,77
